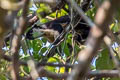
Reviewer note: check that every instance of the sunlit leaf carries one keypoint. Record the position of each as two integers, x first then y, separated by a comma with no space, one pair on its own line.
62,69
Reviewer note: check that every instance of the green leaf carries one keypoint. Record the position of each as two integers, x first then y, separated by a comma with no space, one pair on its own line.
44,20
44,40
26,69
35,45
44,9
52,59
116,28
91,13
2,77
43,49
104,61
66,49
62,69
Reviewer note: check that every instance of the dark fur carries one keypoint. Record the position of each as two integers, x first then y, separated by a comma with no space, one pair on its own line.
82,29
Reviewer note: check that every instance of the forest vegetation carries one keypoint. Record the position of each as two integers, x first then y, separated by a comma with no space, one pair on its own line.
59,40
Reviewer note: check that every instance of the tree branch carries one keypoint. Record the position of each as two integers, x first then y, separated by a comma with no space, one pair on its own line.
45,73
16,42
102,20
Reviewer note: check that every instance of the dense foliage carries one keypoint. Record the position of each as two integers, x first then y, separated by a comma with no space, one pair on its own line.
67,50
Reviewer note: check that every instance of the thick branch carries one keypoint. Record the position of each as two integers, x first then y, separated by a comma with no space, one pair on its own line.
8,5
99,73
39,63
102,20
102,73
16,42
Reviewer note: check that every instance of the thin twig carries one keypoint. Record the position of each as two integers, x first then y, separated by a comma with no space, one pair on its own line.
81,13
